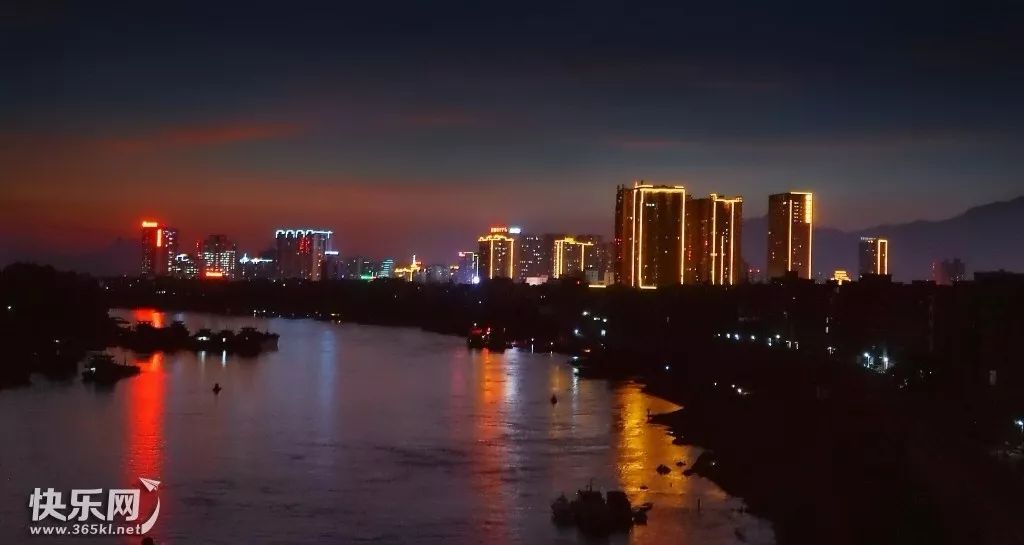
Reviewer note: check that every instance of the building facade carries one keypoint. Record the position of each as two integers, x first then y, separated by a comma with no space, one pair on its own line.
790,234
468,268
218,257
533,256
497,253
332,267
300,252
874,256
570,256
650,231
184,266
713,240
159,248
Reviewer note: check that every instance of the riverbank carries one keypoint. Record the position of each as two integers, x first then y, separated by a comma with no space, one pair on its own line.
825,469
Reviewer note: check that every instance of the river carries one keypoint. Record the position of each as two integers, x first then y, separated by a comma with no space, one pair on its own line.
355,434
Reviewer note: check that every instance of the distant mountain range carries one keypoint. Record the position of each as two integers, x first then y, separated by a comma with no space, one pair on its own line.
987,237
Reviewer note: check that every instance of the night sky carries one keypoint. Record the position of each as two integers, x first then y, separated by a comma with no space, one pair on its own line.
412,127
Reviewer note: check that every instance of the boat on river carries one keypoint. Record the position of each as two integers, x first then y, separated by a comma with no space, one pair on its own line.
491,338
596,514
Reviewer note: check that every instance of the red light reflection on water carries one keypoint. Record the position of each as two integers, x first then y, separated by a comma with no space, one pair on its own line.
144,429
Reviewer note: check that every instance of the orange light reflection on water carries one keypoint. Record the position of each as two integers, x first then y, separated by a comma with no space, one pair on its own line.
488,456
157,318
641,447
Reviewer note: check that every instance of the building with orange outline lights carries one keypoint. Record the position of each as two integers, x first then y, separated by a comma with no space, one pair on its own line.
650,234
569,256
497,256
159,248
713,240
409,272
790,234
874,256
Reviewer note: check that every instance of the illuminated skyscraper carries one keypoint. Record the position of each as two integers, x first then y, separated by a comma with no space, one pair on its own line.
713,237
300,252
498,253
874,256
649,235
570,256
468,268
159,248
790,232
218,257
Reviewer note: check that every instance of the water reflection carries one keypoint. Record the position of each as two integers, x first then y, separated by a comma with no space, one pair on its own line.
353,433
144,432
488,455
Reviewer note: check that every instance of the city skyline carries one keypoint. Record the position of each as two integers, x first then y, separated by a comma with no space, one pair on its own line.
376,116
536,258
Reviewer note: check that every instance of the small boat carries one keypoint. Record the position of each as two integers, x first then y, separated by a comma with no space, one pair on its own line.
598,515
487,337
102,369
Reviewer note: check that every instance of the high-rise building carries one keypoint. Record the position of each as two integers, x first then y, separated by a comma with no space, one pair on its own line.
713,240
159,248
874,256
949,271
790,232
218,257
498,253
570,256
649,235
468,268
601,268
387,268
533,256
184,266
300,252
332,267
